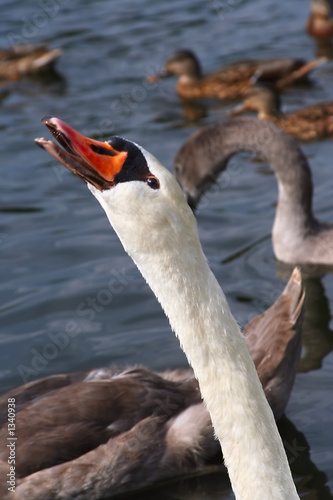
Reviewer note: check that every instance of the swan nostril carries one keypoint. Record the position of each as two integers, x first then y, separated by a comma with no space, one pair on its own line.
102,151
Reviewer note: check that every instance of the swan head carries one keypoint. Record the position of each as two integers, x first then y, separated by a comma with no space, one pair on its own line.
143,201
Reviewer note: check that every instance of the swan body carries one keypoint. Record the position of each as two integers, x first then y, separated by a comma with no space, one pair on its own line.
148,210
109,416
105,414
105,424
311,123
16,62
233,80
297,236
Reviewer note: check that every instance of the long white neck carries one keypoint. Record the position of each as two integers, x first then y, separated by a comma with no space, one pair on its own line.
160,234
211,339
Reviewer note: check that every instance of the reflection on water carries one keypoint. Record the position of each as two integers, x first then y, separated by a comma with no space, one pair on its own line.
317,335
309,479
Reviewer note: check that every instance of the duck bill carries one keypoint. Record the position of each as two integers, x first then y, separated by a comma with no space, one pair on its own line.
159,76
93,161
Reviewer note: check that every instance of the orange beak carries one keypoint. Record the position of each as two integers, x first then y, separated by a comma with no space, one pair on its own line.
93,161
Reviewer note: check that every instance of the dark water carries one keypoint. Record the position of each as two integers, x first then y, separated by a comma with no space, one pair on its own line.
59,256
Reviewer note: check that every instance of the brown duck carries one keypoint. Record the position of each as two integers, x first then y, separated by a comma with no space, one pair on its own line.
309,124
320,21
99,433
233,80
16,62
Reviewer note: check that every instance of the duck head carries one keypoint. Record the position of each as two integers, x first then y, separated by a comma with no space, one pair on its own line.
262,98
183,63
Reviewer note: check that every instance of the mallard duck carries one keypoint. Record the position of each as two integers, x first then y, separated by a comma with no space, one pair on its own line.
320,21
309,124
298,237
22,60
233,80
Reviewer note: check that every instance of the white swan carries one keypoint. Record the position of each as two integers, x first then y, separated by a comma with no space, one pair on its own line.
149,212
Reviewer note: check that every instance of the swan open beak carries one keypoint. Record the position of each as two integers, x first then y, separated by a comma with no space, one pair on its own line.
93,161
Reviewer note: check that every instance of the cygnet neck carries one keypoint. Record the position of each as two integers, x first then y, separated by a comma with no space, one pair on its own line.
209,151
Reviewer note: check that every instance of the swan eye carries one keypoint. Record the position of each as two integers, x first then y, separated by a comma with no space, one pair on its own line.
153,182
